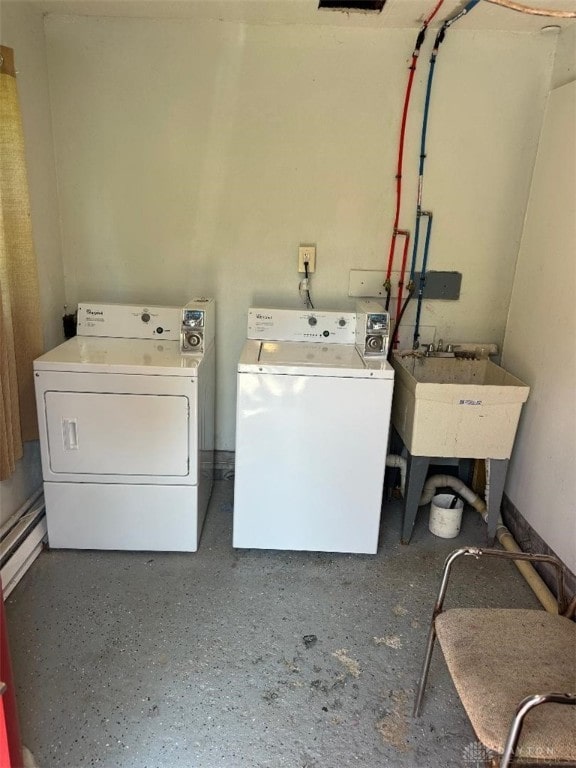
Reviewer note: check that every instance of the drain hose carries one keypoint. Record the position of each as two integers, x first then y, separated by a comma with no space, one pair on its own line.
503,535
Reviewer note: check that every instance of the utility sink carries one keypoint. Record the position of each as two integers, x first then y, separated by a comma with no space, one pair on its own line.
453,407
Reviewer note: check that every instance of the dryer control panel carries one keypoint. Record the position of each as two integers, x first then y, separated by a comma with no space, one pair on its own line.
326,326
129,321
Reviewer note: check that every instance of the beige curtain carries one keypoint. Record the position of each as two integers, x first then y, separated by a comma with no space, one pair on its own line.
20,327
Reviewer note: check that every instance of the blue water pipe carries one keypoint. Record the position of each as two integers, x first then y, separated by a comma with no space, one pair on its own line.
422,161
419,212
422,281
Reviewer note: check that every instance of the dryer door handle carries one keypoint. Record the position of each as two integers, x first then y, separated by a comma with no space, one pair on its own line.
70,434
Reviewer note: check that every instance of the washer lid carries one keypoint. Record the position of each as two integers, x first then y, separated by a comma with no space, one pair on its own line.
311,359
105,355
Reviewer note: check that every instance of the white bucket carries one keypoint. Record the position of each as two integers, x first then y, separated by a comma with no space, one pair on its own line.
445,522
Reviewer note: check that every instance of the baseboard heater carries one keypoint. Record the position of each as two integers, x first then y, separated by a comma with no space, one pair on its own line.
21,541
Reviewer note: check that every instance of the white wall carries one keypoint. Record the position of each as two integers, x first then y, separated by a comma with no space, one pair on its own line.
539,342
22,29
565,58
193,157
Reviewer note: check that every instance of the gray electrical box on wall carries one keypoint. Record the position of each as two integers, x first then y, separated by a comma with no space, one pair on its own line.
444,286
441,285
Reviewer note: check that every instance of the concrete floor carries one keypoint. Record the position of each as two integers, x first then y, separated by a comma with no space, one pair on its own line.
146,660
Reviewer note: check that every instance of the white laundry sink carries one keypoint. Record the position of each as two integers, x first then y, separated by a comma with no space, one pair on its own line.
454,407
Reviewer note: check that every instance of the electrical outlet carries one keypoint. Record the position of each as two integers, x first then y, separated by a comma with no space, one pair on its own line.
307,253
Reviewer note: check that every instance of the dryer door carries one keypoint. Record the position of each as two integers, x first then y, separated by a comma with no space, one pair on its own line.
104,433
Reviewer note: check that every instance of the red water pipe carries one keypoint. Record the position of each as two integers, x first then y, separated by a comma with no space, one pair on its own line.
395,232
429,18
412,72
406,235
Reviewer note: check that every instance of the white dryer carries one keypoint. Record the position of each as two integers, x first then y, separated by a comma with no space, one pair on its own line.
313,413
127,429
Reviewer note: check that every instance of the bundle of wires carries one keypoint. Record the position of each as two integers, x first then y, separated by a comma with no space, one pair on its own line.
305,288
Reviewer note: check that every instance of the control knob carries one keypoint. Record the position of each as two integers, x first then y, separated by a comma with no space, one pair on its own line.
375,343
193,340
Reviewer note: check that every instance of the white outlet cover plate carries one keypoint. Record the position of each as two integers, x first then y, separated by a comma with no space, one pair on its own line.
310,252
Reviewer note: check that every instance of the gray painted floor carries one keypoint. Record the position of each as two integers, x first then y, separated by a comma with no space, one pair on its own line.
155,660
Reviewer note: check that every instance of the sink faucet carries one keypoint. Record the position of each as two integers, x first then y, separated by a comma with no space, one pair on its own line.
429,350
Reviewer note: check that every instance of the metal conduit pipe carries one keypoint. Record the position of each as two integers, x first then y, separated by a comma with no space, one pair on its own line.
528,571
503,535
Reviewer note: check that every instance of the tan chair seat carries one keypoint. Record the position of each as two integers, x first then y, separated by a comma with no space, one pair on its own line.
497,657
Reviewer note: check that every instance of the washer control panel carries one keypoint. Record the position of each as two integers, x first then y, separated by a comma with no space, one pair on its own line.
372,328
327,326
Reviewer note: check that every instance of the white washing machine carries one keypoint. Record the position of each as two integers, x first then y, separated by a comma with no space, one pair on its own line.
127,428
313,412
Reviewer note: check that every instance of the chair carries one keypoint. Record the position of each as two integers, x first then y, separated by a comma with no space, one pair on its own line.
505,663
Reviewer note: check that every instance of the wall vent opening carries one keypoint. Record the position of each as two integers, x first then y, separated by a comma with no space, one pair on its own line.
353,5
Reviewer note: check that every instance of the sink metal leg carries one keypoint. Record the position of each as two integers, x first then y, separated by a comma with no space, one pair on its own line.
416,470
497,469
465,469
396,443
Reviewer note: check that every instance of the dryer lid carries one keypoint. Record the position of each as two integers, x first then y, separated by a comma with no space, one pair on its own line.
105,355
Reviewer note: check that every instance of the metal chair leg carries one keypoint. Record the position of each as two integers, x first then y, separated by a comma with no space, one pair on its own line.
518,721
425,669
432,631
